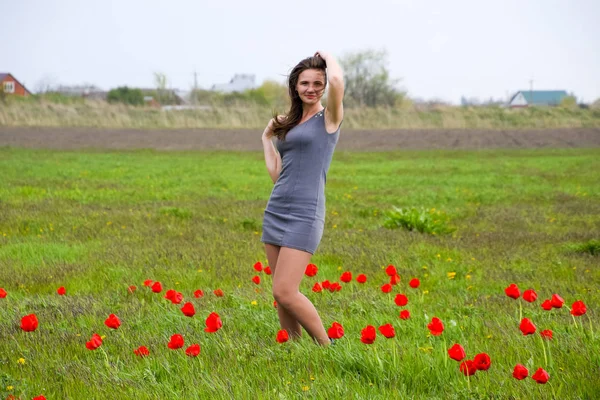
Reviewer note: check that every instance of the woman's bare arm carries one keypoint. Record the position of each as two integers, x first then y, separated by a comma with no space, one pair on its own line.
272,157
335,78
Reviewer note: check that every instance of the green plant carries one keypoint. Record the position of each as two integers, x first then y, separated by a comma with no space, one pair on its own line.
125,95
591,246
422,220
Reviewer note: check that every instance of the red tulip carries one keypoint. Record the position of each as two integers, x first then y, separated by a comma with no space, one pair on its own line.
529,295
386,288
547,305
94,342
527,327
387,330
218,292
468,368
401,300
156,287
482,361
311,270
258,266
148,282
404,314
40,397
317,288
394,279
362,278
512,291
193,350
174,296
540,376
368,334
326,284
29,323
142,351
61,291
457,352
282,336
414,283
520,372
131,288
391,270
267,270
436,327
188,309
275,303
336,331
256,279
546,334
346,277
2,293
335,287
213,323
578,308
176,342
557,301
198,293
112,321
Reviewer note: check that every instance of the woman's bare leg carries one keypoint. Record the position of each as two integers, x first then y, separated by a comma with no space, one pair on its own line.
291,264
286,320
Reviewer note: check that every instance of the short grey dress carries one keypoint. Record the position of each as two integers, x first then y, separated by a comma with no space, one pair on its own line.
295,214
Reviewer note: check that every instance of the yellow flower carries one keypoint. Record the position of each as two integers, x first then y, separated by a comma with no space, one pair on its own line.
103,337
177,283
424,266
254,302
334,226
426,349
469,287
425,275
305,388
312,378
9,388
425,291
21,360
449,259
468,276
256,232
339,268
199,270
451,275
489,336
437,255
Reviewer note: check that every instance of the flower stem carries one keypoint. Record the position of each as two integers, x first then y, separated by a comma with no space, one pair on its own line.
445,354
520,311
574,321
544,348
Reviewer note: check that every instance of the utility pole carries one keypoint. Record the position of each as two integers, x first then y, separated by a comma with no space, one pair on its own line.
195,91
531,89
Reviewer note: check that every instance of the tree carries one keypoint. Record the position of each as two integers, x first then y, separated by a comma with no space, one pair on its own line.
569,102
367,80
126,95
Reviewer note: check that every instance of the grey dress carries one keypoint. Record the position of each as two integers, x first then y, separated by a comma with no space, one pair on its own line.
295,214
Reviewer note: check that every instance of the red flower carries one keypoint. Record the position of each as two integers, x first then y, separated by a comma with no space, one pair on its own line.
394,279
258,266
198,293
176,342
213,323
311,270
457,352
547,305
317,288
546,334
94,342
156,287
40,397
188,309
2,293
482,361
387,330
282,336
414,283
520,372
346,277
275,303
540,376
174,296
401,300
218,292
362,278
325,284
142,351
29,323
112,321
529,295
148,282
578,308
267,270
193,350
131,289
256,279
512,291
336,331
391,270
404,314
436,327
335,287
386,288
557,301
367,335
61,291
468,368
527,327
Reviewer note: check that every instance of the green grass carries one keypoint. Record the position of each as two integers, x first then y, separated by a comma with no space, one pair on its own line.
97,222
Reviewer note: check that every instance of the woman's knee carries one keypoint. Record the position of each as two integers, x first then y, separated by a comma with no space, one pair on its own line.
283,294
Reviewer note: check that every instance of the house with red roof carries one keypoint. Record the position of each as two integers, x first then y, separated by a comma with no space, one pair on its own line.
10,85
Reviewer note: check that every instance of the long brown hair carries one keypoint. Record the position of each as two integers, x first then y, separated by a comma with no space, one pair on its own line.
281,126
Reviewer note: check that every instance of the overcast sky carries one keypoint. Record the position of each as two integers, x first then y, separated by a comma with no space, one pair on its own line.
439,48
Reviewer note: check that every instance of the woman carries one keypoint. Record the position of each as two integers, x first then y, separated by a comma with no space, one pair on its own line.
295,214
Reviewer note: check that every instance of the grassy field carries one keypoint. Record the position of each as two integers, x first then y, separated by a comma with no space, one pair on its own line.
97,222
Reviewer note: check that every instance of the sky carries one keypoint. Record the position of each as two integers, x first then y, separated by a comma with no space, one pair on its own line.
439,49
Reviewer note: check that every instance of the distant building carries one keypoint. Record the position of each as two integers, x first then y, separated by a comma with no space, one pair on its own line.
87,91
9,85
239,83
524,98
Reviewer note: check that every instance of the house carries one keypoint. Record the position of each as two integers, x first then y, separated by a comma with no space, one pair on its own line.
159,97
525,98
9,85
239,83
86,91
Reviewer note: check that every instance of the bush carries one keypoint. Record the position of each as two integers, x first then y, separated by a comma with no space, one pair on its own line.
418,219
126,95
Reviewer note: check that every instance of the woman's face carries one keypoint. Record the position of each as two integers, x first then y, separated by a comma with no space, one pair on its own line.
311,85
